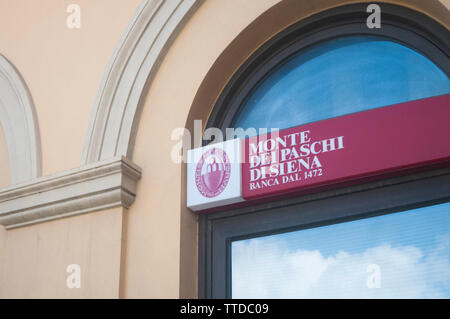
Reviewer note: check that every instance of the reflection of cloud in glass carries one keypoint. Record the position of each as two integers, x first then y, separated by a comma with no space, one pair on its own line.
302,90
267,268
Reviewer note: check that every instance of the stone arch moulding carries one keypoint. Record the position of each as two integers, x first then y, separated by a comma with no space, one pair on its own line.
113,123
143,45
20,125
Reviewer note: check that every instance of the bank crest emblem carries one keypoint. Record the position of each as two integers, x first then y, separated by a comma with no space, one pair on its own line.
213,172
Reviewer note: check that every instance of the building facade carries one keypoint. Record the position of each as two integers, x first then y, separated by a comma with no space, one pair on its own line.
97,99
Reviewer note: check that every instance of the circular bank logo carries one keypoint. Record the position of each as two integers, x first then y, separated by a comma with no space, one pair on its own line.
213,172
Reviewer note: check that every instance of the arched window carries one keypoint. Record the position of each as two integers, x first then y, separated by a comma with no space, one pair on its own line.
388,238
341,76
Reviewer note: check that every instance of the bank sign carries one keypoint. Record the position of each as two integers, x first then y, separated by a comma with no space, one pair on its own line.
341,151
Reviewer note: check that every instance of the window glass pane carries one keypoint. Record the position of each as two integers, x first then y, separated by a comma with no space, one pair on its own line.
401,255
339,77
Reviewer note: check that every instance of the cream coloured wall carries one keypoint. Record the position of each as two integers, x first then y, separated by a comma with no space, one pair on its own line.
162,249
4,161
34,259
62,67
446,3
2,249
156,221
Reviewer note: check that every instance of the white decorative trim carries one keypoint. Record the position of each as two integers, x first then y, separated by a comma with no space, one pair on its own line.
20,125
89,188
113,124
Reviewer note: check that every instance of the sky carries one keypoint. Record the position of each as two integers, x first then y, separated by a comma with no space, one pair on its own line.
405,255
409,250
360,73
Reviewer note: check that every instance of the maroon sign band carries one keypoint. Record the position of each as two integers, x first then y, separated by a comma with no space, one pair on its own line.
348,148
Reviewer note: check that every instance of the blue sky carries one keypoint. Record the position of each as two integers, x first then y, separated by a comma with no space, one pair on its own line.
418,227
412,248
339,77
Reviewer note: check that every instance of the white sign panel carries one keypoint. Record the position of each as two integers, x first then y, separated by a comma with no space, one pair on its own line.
214,175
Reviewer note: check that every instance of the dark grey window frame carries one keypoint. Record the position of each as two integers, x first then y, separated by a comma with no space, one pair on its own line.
399,24
218,230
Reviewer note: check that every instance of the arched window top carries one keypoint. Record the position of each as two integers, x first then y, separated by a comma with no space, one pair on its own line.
337,77
326,65
20,125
